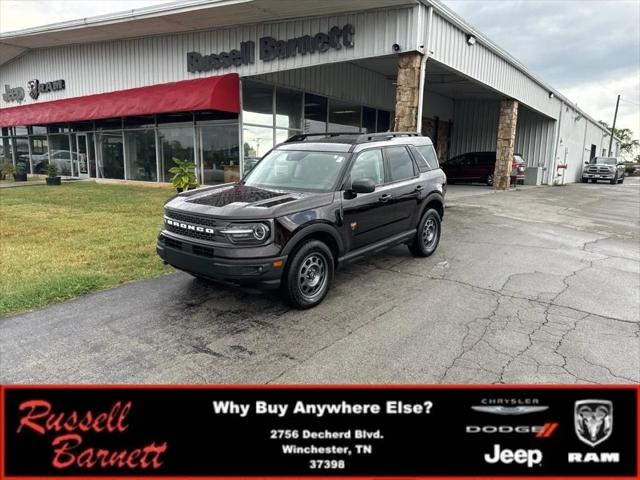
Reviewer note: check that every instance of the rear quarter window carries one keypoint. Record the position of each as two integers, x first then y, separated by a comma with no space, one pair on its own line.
427,160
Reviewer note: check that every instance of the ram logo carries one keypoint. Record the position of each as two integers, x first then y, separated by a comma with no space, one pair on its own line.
593,420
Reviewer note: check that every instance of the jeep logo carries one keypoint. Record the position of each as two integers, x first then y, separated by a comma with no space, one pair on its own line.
521,456
190,227
15,94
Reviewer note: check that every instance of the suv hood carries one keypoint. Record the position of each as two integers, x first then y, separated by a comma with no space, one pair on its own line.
238,201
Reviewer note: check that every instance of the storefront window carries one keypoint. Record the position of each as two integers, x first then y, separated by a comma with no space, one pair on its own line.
315,113
60,154
344,117
141,154
5,150
368,120
110,155
257,103
257,142
21,146
39,154
288,108
175,142
109,124
219,153
384,121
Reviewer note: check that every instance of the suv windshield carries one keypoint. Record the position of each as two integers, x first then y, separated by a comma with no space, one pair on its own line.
297,170
605,160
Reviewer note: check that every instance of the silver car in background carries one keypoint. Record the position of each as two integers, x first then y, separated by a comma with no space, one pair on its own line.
603,168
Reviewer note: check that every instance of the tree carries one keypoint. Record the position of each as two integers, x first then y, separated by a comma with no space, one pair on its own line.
627,143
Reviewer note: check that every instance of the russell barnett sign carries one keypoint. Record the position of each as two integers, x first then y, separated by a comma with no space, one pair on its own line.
270,48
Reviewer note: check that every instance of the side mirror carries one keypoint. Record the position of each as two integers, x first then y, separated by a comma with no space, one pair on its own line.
363,185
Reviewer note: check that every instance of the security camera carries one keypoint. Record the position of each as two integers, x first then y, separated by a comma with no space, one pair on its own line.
395,47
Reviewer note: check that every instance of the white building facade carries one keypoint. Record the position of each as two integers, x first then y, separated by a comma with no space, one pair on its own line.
219,83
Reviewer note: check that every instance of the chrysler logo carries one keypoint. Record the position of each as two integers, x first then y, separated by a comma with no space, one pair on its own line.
190,227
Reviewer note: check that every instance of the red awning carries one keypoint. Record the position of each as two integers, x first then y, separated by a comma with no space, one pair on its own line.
210,93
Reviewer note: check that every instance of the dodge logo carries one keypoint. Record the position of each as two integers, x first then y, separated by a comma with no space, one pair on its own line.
593,420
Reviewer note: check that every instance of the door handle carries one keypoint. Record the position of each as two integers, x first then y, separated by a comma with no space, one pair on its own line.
385,198
419,188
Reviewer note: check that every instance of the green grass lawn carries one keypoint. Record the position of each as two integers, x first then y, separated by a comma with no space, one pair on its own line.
60,242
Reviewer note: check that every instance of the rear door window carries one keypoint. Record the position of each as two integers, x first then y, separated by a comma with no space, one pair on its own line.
400,163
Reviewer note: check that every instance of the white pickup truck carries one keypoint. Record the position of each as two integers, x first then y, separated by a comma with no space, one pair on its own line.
603,168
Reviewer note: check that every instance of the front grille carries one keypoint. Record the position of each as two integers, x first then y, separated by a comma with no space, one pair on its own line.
193,223
595,169
190,233
210,222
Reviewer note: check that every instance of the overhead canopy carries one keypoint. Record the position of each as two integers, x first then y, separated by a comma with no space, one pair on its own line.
210,93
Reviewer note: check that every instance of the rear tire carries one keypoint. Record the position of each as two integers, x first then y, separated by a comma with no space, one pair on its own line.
489,180
428,235
308,275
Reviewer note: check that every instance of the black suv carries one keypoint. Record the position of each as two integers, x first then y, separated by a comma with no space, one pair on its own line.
310,205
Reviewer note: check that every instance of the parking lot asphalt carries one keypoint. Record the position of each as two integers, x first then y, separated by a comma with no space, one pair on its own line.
531,286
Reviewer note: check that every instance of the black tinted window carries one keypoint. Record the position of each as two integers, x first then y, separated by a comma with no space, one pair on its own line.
427,159
400,163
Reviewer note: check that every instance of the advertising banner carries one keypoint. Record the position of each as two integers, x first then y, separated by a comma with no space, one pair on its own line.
314,431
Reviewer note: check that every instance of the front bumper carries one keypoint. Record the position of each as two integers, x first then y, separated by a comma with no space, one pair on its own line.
201,261
599,176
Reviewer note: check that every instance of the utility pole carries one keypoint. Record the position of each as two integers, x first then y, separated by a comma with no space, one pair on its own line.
613,127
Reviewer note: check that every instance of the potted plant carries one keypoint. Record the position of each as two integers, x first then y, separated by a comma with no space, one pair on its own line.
184,175
6,169
20,174
52,175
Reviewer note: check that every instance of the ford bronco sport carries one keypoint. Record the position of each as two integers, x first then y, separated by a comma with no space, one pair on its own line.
310,205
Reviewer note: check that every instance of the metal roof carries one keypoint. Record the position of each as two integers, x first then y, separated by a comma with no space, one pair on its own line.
175,17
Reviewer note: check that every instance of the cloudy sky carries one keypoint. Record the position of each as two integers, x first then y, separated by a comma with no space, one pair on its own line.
587,49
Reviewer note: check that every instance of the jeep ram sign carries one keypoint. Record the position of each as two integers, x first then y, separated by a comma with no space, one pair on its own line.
34,87
270,49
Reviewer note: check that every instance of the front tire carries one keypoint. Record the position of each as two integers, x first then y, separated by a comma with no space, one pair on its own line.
309,275
428,235
614,180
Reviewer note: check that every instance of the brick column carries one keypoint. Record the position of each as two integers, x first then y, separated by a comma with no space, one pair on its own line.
507,122
407,96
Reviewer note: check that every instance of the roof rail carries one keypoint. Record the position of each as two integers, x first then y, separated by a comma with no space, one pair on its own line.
369,137
301,137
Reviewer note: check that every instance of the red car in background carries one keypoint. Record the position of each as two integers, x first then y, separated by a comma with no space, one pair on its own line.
479,167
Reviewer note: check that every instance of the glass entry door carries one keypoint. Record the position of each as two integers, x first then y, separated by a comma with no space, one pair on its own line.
82,158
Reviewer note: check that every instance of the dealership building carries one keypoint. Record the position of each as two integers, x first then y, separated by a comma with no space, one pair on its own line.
220,82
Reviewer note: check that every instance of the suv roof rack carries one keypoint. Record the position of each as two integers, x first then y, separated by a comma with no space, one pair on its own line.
354,138
370,137
301,137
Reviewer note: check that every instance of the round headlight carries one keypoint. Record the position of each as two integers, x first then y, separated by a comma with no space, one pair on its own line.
260,232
